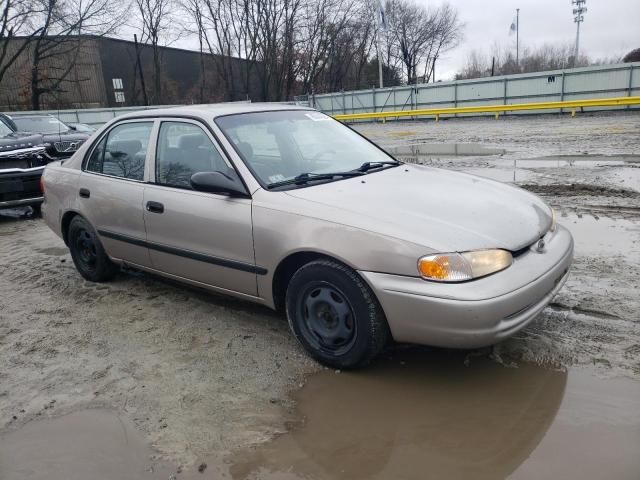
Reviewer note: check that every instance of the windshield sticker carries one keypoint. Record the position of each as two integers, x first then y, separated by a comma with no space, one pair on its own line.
276,178
317,116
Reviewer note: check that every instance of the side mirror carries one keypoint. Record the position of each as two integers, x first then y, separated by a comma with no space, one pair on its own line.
218,182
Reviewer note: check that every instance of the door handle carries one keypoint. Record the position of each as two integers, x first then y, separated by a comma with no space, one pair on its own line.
84,193
155,207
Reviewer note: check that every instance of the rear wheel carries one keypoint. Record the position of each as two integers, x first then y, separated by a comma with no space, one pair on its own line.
335,315
88,253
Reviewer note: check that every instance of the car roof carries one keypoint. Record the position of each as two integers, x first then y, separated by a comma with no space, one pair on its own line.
207,112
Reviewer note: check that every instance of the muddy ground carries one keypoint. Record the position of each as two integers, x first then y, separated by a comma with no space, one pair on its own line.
205,379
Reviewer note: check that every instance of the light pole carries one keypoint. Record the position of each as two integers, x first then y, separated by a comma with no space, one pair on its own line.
382,26
578,18
517,37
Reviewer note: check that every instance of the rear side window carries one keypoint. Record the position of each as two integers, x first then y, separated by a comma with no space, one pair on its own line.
184,149
122,152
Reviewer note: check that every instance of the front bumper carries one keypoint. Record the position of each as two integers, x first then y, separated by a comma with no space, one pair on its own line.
480,312
20,187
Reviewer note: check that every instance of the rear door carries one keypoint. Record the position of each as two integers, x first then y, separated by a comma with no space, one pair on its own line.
111,190
200,236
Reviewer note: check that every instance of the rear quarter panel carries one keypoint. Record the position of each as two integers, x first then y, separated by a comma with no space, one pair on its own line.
60,187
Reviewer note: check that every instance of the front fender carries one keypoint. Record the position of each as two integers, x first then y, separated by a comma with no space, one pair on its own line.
278,234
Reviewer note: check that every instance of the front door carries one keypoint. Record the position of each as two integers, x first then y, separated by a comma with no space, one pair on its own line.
195,235
111,190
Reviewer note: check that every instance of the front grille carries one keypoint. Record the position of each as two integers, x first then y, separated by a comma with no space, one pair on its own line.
67,146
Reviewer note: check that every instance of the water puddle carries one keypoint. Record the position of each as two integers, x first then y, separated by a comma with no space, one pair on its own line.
499,164
91,444
418,413
444,150
603,236
424,414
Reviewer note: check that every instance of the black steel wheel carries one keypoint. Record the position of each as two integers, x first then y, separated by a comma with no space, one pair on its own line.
88,253
328,319
335,315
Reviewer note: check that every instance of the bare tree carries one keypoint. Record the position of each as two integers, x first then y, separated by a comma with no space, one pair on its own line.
420,35
14,18
292,46
447,35
156,20
56,45
545,57
413,28
336,39
632,56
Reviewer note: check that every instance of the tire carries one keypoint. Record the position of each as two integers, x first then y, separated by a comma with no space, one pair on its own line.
335,316
88,253
36,210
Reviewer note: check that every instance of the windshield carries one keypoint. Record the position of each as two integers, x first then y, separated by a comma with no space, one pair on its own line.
283,145
40,125
4,130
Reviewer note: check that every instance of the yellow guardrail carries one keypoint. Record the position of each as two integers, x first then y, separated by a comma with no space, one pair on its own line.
571,105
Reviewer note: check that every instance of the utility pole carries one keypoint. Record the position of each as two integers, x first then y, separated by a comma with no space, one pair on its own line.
517,37
578,18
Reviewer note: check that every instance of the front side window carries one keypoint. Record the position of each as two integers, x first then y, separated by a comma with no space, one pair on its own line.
281,145
184,149
122,152
4,129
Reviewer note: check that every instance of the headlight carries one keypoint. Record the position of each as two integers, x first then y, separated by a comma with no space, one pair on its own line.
458,267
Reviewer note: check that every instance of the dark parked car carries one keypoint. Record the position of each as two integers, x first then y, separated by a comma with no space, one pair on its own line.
81,128
22,160
60,140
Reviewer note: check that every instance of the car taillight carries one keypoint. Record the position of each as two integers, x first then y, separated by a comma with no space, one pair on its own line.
42,186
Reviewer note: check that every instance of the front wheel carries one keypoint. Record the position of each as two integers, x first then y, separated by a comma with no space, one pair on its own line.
36,210
88,253
335,315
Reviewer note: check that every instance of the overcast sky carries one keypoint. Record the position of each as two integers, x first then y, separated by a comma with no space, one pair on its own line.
610,27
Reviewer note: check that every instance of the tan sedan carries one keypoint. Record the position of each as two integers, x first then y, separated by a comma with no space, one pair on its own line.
289,208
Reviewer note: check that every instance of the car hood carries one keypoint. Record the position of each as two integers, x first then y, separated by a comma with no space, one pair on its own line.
68,136
443,210
17,141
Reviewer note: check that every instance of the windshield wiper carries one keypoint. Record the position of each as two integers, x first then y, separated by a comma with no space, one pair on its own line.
310,177
366,166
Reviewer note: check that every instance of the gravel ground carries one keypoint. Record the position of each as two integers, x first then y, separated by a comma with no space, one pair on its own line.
199,373
196,372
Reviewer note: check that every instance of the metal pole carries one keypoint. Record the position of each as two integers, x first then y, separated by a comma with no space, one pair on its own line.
578,18
630,83
517,36
577,43
379,61
381,23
